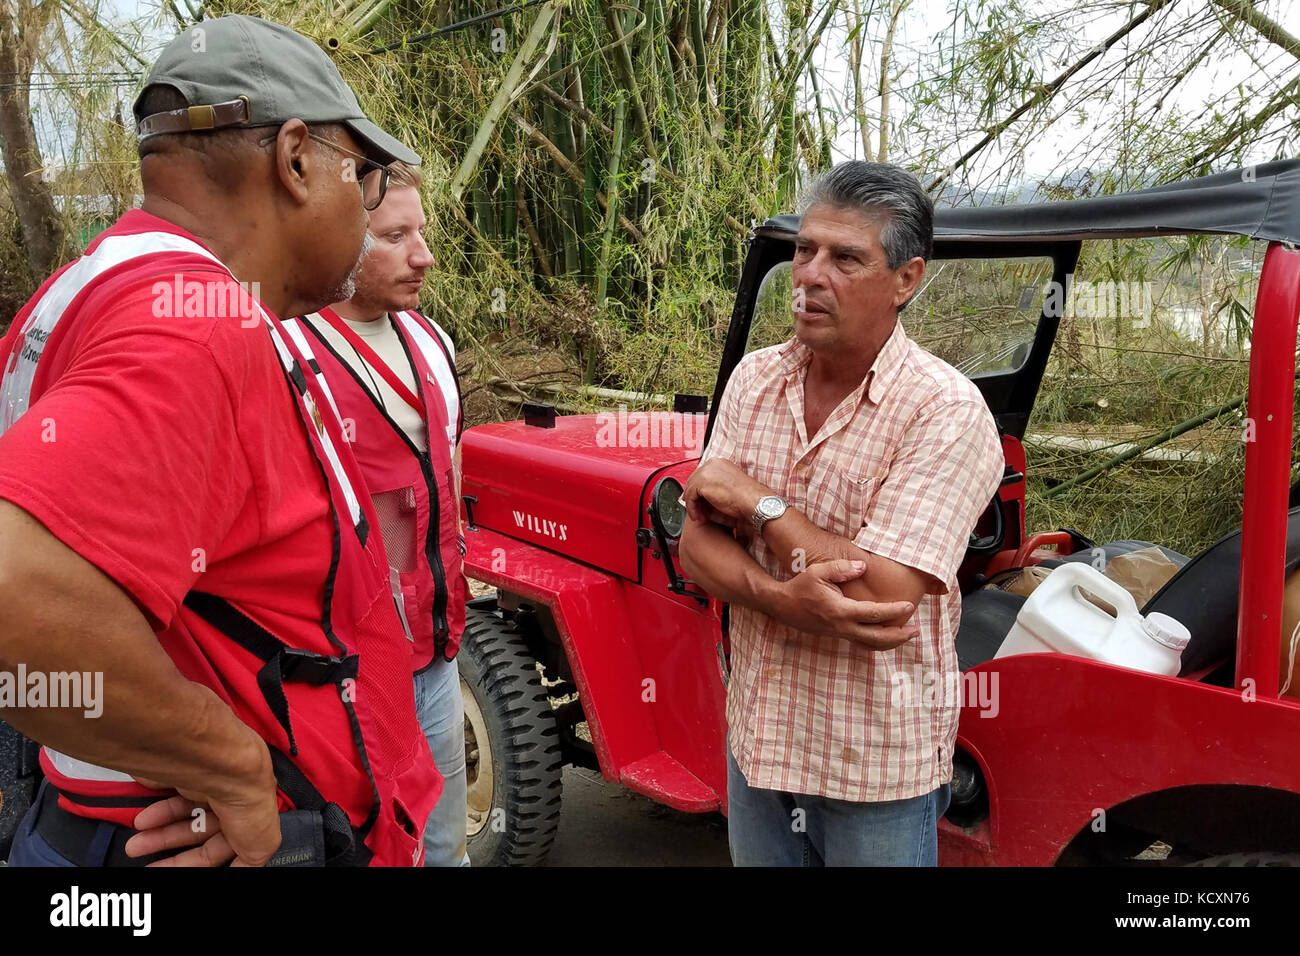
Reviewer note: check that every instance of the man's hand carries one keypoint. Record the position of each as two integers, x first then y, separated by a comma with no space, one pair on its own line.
61,612
812,601
720,492
241,822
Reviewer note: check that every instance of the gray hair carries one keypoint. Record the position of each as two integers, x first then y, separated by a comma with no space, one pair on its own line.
885,193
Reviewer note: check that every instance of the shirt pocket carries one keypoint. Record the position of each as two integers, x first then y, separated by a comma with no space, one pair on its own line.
849,500
398,516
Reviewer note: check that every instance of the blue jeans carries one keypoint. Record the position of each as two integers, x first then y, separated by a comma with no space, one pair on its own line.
774,828
30,849
440,710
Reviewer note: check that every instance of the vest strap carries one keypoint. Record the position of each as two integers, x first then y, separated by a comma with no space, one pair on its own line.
317,832
372,358
280,663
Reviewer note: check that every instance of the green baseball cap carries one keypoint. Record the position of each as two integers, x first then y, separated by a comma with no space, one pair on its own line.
245,71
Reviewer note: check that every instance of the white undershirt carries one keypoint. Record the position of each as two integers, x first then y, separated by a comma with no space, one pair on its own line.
383,338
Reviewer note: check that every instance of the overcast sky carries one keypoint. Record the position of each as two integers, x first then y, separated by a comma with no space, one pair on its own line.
1049,156
914,41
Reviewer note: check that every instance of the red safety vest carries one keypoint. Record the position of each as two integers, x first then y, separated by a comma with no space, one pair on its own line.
359,617
413,491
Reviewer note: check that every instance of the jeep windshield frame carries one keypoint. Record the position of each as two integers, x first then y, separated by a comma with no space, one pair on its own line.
1259,202
1010,393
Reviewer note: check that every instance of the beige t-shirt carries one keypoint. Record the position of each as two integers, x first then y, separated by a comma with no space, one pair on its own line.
383,338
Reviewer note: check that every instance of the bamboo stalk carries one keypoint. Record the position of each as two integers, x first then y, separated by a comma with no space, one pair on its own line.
370,20
486,196
698,50
784,159
1138,448
502,99
590,165
509,233
716,11
509,213
560,134
611,190
679,41
886,52
855,68
540,138
1271,30
579,113
824,139
521,206
648,53
669,76
624,60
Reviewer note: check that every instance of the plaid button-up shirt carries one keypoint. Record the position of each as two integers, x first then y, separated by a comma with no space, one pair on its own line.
903,467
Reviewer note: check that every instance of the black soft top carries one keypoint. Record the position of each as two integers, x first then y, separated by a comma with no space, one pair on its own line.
1259,202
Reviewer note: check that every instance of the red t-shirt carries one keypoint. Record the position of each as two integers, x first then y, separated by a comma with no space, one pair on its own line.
179,454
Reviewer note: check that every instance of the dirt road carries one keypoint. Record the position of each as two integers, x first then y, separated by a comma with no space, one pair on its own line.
606,825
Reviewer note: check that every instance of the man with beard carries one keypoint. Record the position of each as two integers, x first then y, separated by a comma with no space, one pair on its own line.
179,509
392,374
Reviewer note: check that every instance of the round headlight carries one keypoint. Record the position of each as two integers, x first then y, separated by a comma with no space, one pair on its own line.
667,507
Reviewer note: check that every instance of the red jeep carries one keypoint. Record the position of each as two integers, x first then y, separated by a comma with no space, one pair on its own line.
596,651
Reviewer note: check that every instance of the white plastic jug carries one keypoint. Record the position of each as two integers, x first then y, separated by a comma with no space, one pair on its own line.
1057,617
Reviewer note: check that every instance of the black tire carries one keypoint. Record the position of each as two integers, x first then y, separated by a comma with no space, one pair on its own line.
500,679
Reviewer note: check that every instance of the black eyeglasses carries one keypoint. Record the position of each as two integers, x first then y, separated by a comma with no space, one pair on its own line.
370,176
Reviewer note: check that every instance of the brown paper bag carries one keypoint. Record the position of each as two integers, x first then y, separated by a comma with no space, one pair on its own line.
1142,573
1020,581
1290,620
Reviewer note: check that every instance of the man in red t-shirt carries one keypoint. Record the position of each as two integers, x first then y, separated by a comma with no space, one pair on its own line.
177,510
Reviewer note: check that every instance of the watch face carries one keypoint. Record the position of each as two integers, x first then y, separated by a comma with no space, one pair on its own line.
771,506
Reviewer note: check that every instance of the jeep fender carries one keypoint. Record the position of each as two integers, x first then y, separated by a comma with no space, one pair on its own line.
591,616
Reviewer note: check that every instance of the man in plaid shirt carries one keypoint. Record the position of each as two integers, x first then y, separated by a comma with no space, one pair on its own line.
831,510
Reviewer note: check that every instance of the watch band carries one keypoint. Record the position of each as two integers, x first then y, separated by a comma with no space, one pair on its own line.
759,519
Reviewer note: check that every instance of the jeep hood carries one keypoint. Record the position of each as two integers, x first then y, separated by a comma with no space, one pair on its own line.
575,488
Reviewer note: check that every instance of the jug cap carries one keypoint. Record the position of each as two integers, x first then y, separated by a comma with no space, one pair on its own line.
1166,630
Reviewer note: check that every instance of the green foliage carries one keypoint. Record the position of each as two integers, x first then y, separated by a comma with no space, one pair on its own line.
729,106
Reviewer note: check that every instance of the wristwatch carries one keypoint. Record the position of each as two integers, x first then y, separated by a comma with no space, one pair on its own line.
768,508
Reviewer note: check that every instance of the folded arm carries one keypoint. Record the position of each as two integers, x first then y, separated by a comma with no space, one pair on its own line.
798,543
721,489
816,599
